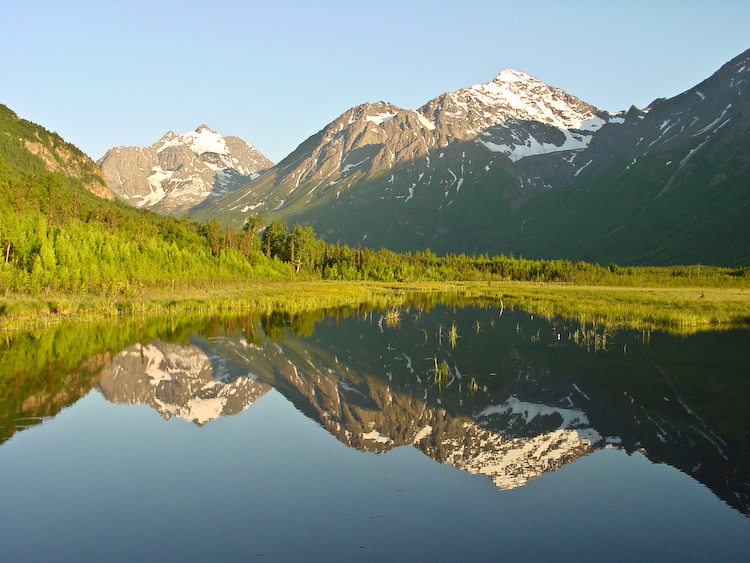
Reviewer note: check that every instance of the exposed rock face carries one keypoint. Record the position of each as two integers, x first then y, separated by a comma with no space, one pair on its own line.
93,179
180,171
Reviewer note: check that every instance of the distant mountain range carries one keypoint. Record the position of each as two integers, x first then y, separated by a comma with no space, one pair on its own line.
181,171
439,177
513,166
517,166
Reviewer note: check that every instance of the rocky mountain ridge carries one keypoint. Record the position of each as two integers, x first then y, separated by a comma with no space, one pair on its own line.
515,116
180,171
515,165
670,185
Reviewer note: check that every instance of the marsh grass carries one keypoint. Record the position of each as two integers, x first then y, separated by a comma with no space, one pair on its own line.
675,309
391,318
24,311
594,338
473,386
453,335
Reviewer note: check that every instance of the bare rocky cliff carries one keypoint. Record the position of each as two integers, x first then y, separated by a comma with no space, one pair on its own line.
180,171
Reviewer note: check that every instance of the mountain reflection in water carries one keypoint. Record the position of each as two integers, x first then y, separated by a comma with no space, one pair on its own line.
516,396
179,381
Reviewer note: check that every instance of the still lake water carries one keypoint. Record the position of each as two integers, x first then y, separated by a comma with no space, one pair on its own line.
342,436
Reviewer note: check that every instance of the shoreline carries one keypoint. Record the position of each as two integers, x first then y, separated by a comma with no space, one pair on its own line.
676,309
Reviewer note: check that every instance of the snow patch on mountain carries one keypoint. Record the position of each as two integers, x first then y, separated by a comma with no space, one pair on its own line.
381,118
532,146
200,141
426,122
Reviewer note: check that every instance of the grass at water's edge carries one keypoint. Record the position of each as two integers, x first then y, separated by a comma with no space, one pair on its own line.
682,310
673,309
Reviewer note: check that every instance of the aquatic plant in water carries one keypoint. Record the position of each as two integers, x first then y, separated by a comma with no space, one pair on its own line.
453,335
391,318
440,372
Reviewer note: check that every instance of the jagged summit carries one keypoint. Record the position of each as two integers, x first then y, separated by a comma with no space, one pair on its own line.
180,171
515,96
512,75
200,141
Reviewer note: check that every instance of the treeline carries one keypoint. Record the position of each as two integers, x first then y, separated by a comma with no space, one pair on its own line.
315,258
55,236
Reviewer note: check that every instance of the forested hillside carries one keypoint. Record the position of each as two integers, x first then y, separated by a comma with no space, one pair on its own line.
28,147
55,236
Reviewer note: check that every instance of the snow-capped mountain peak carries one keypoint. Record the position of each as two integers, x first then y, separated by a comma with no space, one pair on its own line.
517,115
517,95
180,171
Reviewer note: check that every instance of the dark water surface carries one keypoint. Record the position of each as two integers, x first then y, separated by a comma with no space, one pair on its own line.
348,436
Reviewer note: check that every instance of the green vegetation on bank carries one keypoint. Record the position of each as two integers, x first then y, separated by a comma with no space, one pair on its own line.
28,148
676,309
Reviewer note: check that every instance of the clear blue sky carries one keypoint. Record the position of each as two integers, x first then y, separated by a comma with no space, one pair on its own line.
107,73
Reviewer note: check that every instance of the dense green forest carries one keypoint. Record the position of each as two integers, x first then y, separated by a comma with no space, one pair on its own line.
56,236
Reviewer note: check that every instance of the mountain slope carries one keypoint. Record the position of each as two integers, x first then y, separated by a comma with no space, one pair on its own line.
517,166
672,184
420,174
180,171
27,147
